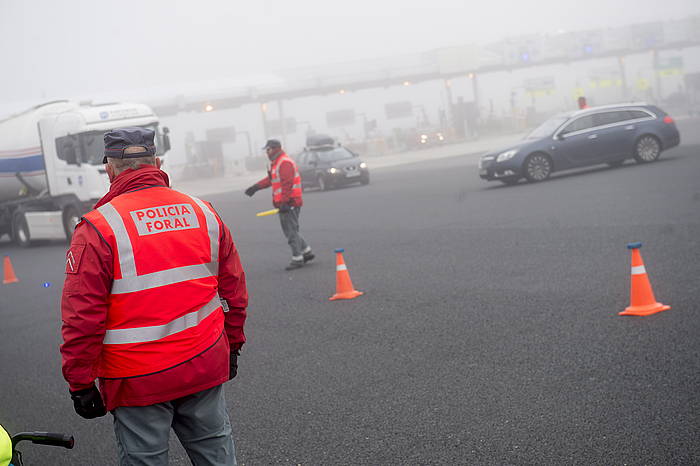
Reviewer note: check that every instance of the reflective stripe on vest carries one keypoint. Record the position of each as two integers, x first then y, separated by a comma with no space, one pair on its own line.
157,332
277,182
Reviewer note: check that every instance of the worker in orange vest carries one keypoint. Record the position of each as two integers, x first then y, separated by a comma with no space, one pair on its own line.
154,304
285,181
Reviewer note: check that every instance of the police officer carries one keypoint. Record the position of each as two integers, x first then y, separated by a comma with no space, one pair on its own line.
286,196
154,304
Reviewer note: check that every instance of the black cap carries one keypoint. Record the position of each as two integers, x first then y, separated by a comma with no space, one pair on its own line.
119,139
272,144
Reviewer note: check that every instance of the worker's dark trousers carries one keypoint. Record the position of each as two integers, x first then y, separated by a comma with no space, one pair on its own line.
290,227
199,420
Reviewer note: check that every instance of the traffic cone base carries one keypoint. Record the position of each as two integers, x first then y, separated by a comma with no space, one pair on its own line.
8,272
346,295
647,310
343,284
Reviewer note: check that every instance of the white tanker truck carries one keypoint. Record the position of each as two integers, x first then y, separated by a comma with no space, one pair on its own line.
51,169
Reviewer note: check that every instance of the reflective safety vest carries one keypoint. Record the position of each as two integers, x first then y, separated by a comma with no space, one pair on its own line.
277,182
164,307
5,447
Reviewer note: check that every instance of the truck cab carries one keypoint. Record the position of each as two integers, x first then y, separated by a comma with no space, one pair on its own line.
45,199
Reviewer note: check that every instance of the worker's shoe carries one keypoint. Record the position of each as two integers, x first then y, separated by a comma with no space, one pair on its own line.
308,256
295,264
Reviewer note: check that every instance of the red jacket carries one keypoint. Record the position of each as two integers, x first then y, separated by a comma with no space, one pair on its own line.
286,170
89,277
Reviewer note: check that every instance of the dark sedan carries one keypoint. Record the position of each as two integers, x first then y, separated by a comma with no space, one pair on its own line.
609,134
327,167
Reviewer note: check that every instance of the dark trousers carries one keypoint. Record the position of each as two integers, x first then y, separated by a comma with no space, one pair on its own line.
290,228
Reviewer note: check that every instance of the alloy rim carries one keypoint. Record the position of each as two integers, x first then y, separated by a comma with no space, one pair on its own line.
538,167
648,149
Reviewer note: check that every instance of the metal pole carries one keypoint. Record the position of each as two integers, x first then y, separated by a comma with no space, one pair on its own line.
247,137
263,113
623,76
450,112
655,70
283,126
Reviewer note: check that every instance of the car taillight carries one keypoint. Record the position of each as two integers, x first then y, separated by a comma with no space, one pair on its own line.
668,119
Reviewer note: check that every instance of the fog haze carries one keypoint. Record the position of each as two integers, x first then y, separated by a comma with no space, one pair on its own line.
80,48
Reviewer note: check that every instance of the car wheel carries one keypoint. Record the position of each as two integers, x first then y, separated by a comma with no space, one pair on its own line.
71,217
510,180
616,163
647,149
20,230
537,167
322,183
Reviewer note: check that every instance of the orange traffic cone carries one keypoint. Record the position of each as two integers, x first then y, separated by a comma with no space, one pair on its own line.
343,284
9,272
642,301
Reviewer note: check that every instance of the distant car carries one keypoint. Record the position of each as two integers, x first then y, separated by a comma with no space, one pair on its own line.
328,165
609,134
429,138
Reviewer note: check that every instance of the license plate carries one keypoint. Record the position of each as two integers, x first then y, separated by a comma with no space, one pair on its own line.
352,174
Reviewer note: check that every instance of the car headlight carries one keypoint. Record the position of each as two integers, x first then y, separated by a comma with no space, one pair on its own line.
333,171
507,155
363,165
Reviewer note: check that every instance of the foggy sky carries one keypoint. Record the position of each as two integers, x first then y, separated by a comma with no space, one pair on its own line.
74,48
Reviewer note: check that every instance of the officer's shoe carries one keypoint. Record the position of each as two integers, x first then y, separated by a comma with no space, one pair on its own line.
308,257
295,264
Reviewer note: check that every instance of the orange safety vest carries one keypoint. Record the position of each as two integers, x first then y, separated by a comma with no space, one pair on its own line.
164,308
277,182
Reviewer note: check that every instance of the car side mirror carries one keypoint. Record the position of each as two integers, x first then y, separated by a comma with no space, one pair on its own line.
166,139
70,155
560,136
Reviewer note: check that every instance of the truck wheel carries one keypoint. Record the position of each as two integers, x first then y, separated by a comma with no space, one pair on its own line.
71,217
20,230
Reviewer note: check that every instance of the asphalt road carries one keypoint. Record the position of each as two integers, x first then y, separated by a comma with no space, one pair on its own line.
488,332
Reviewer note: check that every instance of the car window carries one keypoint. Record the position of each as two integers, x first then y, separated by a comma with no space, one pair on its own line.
585,122
334,155
609,118
635,114
548,127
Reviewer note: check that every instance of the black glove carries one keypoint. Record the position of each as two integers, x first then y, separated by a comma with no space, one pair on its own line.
233,364
88,403
285,208
252,190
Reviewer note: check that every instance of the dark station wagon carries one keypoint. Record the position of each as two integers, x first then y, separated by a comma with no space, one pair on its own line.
609,134
325,164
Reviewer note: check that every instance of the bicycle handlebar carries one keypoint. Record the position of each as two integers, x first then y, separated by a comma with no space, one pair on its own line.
44,438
